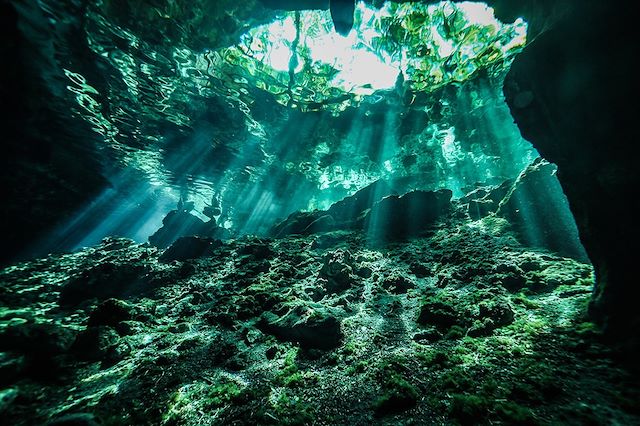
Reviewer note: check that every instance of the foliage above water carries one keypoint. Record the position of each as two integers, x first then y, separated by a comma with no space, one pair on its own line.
413,47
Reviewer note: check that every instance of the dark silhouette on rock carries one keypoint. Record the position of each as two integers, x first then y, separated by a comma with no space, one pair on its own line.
375,209
193,247
568,94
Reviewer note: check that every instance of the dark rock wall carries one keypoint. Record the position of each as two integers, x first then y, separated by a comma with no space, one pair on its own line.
572,93
48,166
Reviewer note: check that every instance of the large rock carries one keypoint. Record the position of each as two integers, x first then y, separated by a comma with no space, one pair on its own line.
179,223
103,281
312,329
348,212
398,217
304,223
375,209
539,211
486,199
572,96
345,214
193,247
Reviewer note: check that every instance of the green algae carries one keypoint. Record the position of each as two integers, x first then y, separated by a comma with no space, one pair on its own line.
194,338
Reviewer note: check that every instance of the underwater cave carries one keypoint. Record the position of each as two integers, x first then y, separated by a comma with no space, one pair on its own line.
318,212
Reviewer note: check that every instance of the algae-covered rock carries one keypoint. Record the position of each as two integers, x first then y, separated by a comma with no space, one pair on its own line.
111,312
192,247
337,271
397,284
398,394
105,280
440,312
312,329
95,343
539,211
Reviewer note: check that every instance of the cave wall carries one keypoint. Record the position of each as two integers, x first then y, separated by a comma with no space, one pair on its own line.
49,165
570,92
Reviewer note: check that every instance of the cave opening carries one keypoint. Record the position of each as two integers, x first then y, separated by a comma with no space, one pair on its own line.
316,212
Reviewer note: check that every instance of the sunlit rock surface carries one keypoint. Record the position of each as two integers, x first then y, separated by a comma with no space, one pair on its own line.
463,326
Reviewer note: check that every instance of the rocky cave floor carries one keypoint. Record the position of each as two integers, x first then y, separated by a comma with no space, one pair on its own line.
462,325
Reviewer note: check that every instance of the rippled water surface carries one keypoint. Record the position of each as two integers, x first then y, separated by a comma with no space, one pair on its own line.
260,112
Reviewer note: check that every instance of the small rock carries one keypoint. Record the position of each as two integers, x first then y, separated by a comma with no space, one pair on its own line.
397,284
94,343
420,270
364,272
329,239
312,330
116,353
257,248
128,328
271,352
7,396
110,312
11,367
427,336
512,281
76,419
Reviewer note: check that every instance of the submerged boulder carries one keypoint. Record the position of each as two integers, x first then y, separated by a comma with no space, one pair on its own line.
376,209
192,247
346,214
104,281
304,223
181,223
397,217
176,223
538,210
312,329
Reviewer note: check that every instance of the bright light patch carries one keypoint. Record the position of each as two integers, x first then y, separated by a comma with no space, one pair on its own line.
279,57
431,45
479,13
360,70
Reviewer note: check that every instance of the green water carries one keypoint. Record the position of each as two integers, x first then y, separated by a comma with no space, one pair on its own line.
225,213
280,113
